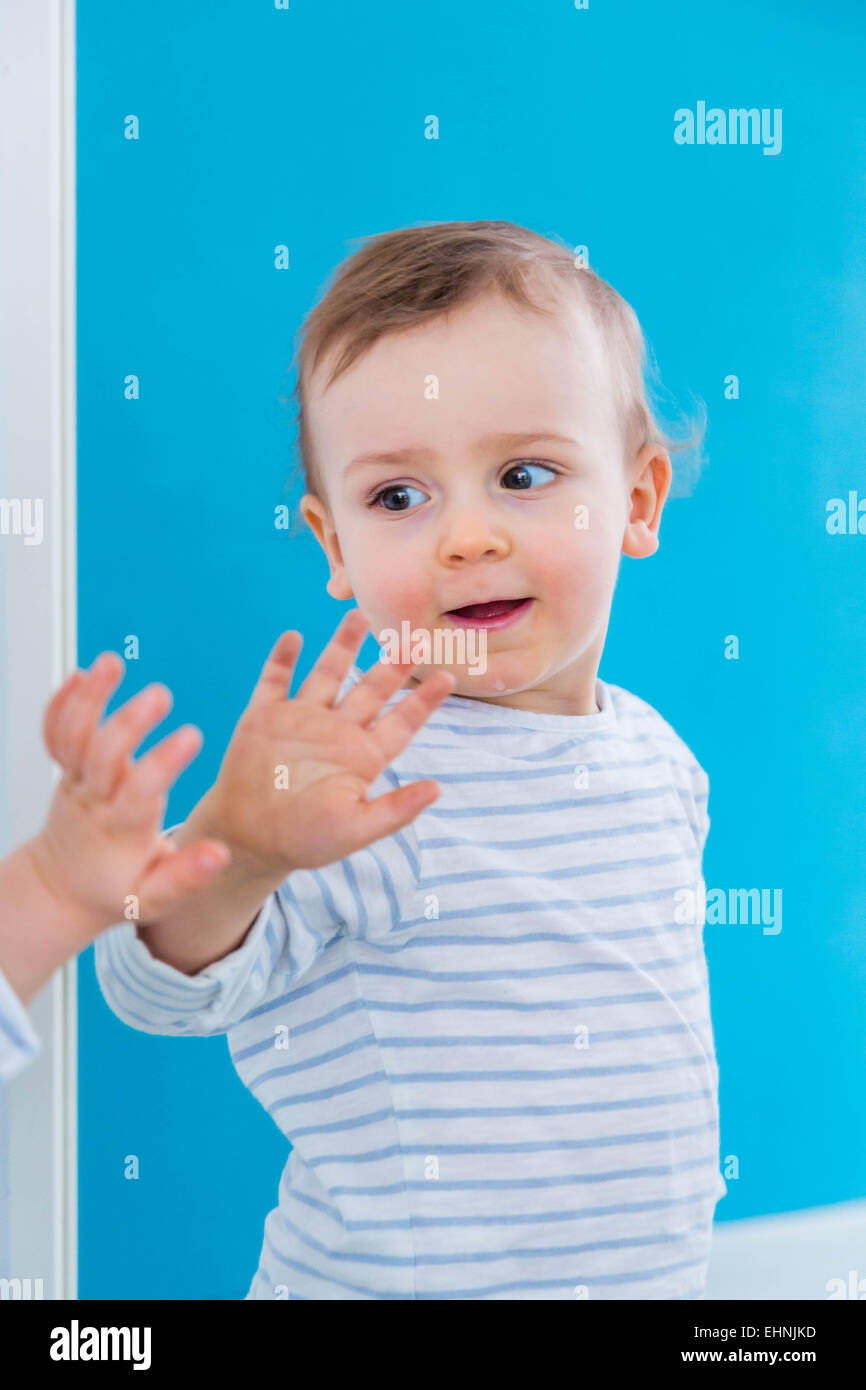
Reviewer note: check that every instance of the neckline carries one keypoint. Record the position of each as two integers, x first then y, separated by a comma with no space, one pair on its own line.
534,719
479,711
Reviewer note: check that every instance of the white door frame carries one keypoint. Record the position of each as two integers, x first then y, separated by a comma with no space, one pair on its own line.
38,583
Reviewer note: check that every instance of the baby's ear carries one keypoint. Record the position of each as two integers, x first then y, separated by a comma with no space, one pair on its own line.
318,517
649,481
338,585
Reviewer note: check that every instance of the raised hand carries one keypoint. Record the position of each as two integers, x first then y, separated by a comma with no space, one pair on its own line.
101,853
293,788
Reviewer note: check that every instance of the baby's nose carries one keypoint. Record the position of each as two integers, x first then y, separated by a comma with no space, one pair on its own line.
471,544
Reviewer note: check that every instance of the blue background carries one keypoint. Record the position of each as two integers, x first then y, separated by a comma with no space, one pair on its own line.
306,127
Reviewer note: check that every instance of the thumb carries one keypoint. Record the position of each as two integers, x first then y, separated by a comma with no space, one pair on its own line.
386,814
179,873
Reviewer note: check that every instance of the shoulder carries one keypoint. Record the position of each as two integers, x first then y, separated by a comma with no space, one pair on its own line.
639,719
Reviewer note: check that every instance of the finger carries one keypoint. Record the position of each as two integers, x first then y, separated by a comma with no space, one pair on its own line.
400,725
177,874
323,683
147,782
53,710
85,707
384,815
276,678
105,761
364,701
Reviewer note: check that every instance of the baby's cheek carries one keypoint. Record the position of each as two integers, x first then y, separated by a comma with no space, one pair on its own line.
389,589
577,568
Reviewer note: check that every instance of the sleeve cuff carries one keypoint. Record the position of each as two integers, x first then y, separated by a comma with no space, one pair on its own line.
151,994
19,1044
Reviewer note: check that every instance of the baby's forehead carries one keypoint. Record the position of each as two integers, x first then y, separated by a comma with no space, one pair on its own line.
558,337
491,365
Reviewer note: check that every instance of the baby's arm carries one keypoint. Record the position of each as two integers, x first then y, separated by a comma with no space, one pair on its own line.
292,790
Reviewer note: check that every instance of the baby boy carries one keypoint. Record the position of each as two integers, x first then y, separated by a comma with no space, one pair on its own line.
458,950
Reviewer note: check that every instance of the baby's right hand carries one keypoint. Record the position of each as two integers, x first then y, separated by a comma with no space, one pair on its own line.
292,789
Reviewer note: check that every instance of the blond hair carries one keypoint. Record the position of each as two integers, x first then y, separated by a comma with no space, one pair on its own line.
400,279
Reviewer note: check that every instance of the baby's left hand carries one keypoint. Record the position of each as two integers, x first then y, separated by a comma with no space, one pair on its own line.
101,853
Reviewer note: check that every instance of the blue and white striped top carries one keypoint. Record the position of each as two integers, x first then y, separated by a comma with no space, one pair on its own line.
19,1044
487,1037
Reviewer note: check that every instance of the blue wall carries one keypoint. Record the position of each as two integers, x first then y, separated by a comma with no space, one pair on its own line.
306,127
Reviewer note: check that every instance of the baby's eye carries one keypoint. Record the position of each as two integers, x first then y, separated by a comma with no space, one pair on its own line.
525,475
397,497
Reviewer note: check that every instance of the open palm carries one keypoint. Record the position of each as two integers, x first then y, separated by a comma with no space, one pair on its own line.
293,788
101,850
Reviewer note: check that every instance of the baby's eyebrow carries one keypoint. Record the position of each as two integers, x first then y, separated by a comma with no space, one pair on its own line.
419,453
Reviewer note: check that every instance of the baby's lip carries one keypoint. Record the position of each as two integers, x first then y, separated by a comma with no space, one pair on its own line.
492,614
488,608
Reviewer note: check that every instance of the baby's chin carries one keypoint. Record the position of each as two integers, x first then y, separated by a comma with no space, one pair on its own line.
507,673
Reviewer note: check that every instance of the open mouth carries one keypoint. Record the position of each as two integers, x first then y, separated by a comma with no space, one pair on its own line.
498,612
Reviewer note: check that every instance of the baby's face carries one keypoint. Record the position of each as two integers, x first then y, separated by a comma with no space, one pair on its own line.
479,501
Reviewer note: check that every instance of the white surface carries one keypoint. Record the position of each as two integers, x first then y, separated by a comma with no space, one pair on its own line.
792,1256
37,641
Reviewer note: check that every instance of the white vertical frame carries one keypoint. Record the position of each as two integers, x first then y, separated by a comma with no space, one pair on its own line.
38,444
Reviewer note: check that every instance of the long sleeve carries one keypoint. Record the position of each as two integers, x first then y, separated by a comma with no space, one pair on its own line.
19,1044
701,793
293,927
154,997
692,785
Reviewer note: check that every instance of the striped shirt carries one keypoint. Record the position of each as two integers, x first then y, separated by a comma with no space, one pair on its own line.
19,1044
488,1036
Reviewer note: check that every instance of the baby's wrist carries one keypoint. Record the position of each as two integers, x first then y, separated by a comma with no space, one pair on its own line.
55,925
80,920
249,873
